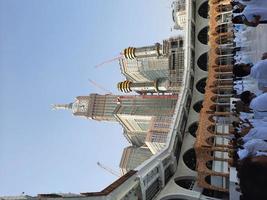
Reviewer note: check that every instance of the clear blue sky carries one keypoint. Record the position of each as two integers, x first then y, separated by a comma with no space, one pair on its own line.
48,49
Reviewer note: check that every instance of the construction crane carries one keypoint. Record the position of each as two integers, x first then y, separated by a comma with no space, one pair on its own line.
99,86
111,171
108,61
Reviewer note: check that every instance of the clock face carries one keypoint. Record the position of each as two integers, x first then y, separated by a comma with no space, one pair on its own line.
83,106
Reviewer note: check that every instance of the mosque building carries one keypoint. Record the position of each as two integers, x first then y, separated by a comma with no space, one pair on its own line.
177,121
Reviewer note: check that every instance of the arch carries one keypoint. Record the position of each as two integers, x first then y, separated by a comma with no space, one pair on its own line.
203,9
210,140
224,8
192,129
197,106
185,182
189,159
211,129
201,84
203,35
202,61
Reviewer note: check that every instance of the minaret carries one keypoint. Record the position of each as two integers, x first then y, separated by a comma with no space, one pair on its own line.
143,52
158,86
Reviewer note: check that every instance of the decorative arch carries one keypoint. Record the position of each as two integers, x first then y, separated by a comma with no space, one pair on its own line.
192,129
203,9
202,61
189,159
185,182
201,84
197,106
223,8
203,35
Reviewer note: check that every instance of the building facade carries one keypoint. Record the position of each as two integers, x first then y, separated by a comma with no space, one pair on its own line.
153,69
132,157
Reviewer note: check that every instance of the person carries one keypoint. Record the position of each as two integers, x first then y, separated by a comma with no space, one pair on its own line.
256,3
252,173
257,71
251,148
250,18
258,132
246,97
257,103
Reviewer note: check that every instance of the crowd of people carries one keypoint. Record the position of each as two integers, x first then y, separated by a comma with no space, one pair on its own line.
249,12
248,152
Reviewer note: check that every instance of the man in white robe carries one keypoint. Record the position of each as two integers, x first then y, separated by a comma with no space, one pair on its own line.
259,132
252,147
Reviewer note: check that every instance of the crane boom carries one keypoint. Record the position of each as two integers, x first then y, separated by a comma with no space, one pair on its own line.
108,61
99,86
111,171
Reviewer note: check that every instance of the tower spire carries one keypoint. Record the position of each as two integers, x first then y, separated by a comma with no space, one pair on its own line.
62,106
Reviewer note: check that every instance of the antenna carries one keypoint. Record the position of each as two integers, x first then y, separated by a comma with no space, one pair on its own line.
108,61
99,86
111,171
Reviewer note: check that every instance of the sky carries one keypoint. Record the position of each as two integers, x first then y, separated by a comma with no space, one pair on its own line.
48,51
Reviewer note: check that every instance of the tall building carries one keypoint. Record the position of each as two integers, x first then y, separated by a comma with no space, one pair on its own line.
133,157
179,14
136,114
153,69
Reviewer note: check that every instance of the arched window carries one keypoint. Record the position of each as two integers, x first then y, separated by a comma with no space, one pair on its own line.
224,8
203,35
203,10
192,129
201,84
189,159
202,61
186,183
197,106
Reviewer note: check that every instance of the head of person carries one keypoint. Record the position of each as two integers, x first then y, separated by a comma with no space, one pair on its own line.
246,97
239,142
241,70
238,19
252,173
235,124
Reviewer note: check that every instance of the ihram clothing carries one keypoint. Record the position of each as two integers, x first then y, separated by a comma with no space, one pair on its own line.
254,3
252,147
250,12
259,72
256,133
259,103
